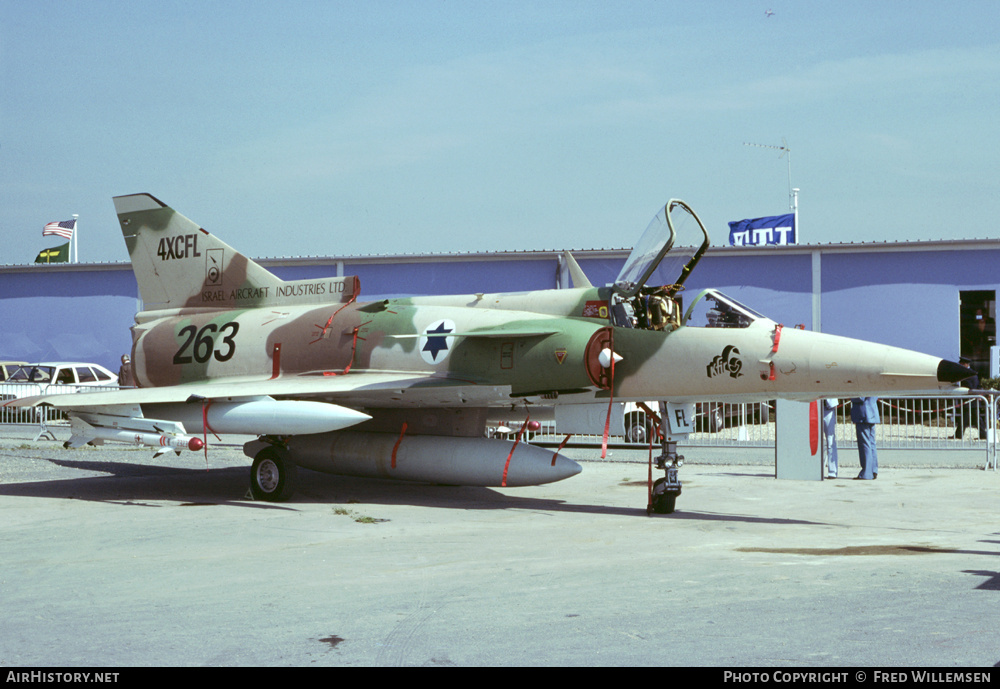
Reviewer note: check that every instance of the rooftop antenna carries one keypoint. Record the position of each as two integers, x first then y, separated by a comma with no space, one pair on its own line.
785,150
793,194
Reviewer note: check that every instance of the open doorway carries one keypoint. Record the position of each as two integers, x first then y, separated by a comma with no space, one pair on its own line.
977,323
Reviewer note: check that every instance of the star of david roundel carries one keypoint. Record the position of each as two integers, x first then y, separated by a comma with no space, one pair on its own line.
435,344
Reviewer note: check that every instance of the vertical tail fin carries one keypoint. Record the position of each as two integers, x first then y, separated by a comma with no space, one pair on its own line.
175,261
576,273
179,265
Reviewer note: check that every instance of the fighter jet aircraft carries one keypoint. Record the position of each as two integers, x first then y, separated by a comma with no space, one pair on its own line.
404,388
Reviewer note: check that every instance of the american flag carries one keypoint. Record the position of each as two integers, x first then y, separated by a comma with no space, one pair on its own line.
63,229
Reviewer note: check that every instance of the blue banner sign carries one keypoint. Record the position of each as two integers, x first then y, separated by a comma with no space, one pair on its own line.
778,230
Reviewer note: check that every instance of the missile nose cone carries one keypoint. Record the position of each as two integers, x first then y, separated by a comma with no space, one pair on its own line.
196,444
950,372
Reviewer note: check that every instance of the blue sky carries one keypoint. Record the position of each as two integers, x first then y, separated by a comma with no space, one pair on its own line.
350,128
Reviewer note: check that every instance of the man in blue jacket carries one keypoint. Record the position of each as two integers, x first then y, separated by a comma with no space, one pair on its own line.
830,435
864,414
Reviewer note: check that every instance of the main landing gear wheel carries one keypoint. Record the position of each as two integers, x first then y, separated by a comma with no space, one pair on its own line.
272,477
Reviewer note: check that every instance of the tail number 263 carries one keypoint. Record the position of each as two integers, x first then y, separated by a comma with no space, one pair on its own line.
199,345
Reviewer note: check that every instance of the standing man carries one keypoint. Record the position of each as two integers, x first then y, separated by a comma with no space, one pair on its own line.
864,414
830,433
125,377
963,411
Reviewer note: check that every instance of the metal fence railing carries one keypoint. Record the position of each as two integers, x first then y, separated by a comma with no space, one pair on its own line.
926,423
42,416
931,423
918,423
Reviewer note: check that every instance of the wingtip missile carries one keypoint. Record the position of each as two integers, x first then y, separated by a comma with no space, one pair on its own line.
84,433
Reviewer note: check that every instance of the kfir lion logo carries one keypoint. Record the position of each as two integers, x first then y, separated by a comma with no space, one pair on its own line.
727,362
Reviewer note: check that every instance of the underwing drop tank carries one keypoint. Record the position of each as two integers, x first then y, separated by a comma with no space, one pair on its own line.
260,416
429,459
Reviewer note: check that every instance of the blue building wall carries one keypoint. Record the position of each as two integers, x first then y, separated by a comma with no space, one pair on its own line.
776,285
412,278
906,299
51,314
427,278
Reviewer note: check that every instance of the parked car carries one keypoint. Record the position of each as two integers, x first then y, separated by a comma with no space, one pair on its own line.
8,367
49,377
36,378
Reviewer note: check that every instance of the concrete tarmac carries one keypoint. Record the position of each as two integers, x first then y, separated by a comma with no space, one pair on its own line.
111,558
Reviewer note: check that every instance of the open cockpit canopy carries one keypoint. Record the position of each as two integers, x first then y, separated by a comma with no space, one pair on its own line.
673,243
674,240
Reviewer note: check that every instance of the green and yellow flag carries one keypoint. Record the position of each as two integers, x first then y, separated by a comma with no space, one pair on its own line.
57,254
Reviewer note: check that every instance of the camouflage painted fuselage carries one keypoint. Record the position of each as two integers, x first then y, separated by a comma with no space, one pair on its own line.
490,340
214,315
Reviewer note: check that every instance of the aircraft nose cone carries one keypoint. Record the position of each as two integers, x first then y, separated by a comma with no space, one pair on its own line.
950,372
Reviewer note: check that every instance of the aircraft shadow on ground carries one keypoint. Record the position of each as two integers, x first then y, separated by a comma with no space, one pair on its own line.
992,582
133,484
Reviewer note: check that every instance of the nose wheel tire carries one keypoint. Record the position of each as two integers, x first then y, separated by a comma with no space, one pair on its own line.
663,498
272,477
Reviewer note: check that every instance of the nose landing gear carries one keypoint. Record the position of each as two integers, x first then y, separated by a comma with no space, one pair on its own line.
665,490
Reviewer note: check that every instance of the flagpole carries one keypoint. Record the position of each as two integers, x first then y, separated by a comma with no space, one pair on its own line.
795,210
76,231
